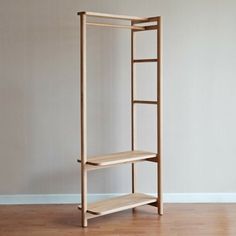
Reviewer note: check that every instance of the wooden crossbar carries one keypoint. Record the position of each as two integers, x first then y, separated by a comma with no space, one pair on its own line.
145,102
151,27
145,60
149,19
116,26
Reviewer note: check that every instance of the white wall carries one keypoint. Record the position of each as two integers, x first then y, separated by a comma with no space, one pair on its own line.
39,96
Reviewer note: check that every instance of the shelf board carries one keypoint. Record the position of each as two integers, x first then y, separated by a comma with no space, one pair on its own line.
113,16
120,158
119,203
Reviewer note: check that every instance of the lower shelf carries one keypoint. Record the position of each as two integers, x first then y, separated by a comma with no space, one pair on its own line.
119,203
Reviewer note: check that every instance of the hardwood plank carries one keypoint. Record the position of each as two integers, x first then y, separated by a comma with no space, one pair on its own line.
64,220
121,203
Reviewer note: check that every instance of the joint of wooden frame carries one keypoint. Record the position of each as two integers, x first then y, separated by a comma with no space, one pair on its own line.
155,204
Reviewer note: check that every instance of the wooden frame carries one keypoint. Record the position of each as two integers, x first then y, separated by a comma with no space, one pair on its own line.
132,156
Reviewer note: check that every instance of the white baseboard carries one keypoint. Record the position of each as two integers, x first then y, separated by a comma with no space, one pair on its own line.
200,197
50,198
75,198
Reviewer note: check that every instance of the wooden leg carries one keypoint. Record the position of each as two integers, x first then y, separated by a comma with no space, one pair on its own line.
132,105
133,178
159,118
160,195
83,119
84,221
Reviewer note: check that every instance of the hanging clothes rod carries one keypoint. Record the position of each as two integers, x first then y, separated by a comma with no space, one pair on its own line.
116,26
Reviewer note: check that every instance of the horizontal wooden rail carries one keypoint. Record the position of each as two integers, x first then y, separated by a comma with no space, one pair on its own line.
151,27
147,28
116,26
149,19
145,102
145,60
112,16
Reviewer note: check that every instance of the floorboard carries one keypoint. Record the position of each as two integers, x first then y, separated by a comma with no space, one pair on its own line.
178,220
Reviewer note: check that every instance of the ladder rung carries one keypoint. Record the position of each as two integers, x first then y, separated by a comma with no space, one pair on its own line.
145,102
145,60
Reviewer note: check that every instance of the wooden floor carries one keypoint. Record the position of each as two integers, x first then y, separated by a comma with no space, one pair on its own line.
178,220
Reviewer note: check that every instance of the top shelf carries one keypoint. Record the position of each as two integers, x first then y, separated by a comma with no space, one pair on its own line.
112,16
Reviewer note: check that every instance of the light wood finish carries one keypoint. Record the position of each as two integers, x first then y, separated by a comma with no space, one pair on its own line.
64,220
112,16
120,158
145,60
89,167
116,26
159,119
145,102
147,28
83,118
147,20
120,203
137,24
133,92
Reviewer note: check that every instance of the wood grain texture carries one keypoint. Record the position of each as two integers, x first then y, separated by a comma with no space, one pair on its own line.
178,220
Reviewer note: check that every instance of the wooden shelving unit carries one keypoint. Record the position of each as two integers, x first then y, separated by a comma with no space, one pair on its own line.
134,199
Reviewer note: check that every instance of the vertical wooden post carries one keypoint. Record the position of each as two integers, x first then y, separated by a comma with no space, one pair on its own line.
83,119
159,117
132,105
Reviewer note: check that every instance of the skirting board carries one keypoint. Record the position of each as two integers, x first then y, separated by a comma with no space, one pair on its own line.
75,198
